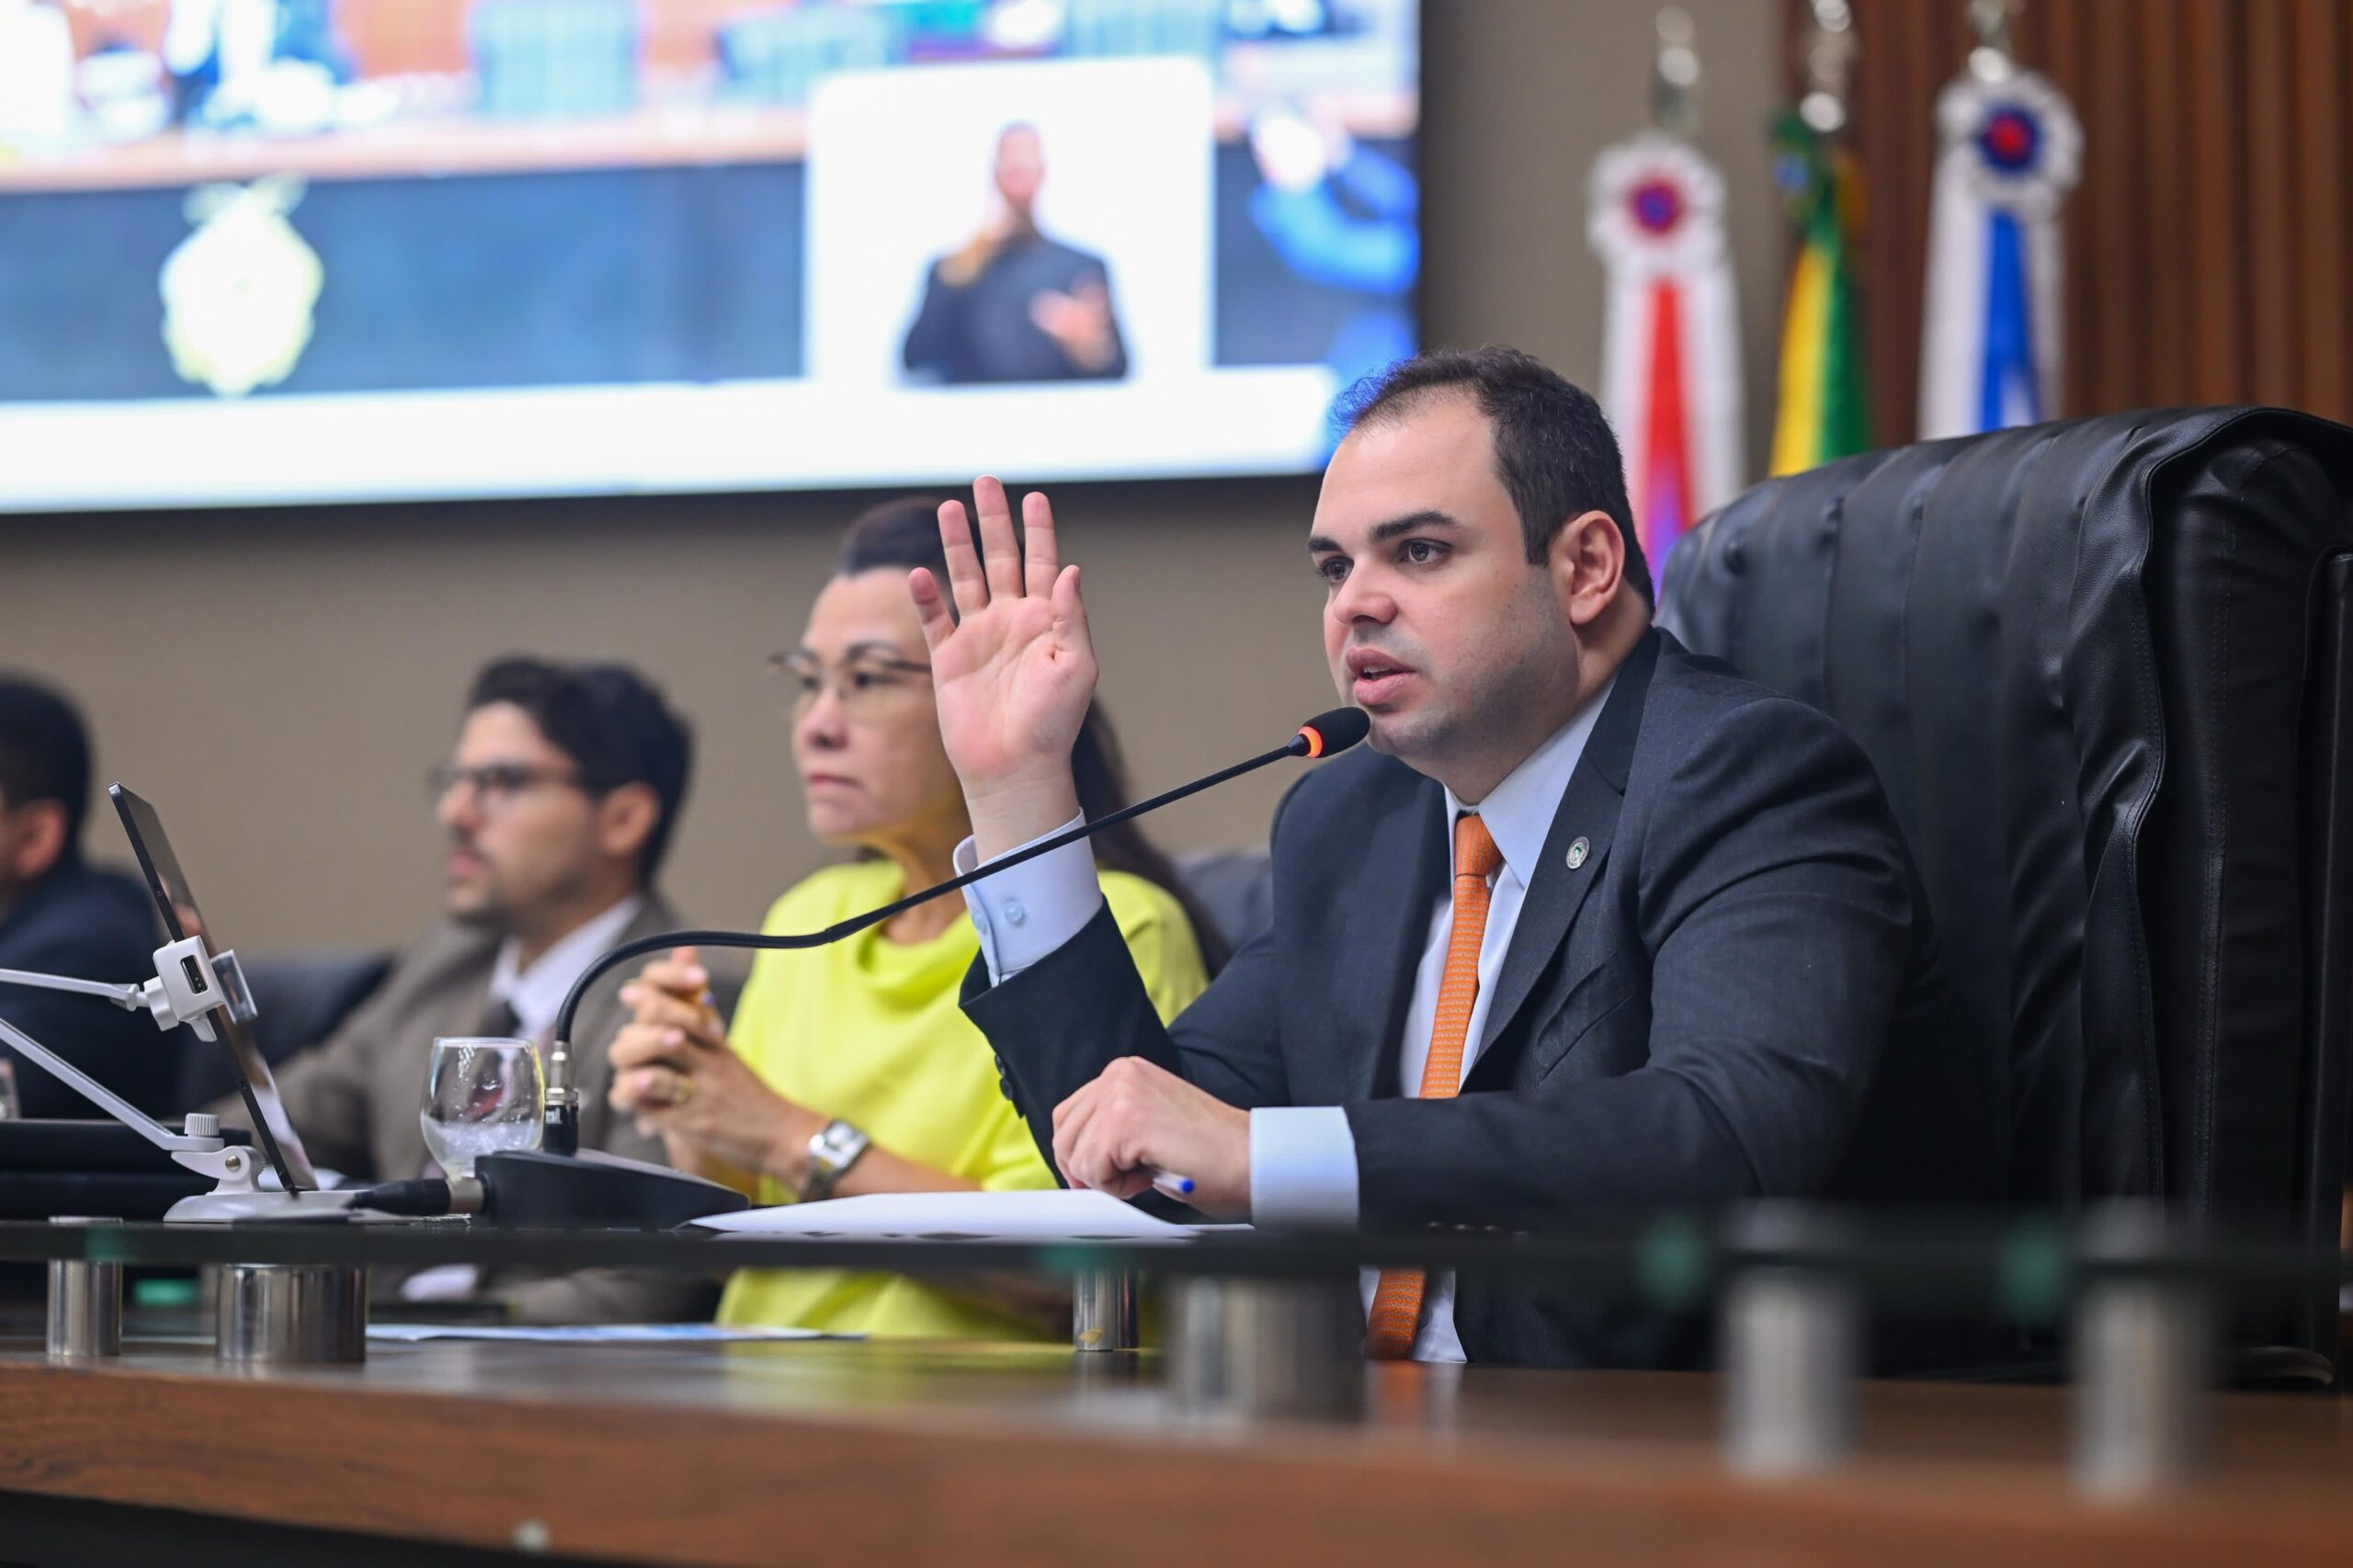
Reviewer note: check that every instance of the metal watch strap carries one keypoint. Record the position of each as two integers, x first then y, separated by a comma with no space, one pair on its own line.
831,1151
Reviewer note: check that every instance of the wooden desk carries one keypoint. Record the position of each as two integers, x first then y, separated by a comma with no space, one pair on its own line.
891,1454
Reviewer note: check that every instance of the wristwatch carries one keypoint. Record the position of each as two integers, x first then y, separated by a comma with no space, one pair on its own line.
831,1153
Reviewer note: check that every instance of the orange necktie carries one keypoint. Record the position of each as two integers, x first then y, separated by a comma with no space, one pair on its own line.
1396,1315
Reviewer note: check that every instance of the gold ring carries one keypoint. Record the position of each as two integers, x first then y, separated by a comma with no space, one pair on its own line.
684,1089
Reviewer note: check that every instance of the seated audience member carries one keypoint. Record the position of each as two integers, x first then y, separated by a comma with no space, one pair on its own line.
1592,926
848,1069
559,801
59,915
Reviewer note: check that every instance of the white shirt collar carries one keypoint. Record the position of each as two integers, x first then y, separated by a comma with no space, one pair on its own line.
537,994
1519,811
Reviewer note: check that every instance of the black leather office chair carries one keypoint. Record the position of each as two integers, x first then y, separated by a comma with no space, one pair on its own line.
301,996
1235,888
2105,669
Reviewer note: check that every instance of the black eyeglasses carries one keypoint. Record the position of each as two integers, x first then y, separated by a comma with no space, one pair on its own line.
494,784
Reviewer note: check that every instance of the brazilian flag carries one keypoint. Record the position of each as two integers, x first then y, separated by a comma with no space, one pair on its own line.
1824,410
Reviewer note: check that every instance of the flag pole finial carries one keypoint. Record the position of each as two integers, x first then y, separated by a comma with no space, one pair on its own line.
1828,49
1674,75
1995,57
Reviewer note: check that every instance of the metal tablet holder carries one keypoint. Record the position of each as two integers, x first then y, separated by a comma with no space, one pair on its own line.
190,983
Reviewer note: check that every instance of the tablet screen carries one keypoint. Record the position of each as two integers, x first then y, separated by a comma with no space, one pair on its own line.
183,918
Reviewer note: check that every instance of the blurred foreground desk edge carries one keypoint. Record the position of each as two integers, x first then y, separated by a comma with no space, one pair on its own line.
929,1453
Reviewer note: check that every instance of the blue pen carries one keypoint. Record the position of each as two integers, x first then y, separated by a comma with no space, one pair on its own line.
1169,1184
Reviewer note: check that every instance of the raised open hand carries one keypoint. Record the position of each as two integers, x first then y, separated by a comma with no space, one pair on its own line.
1013,668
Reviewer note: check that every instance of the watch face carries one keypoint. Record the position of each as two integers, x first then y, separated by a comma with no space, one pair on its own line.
839,1144
831,1151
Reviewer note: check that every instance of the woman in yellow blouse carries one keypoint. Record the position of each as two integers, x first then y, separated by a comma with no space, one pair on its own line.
851,1069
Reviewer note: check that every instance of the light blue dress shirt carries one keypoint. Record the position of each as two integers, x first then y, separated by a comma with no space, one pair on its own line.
1304,1158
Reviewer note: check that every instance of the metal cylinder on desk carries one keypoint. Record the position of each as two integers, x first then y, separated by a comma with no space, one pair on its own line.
85,1303
1792,1350
1268,1346
2145,1352
291,1315
1103,1313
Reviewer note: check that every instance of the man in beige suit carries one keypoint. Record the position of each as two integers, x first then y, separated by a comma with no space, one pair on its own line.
558,801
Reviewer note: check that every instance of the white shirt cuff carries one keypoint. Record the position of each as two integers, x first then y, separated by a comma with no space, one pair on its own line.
1303,1167
1027,911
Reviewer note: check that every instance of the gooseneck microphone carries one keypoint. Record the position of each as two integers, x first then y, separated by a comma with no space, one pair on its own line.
1326,735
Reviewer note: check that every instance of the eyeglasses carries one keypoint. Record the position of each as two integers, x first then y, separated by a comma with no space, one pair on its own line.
867,685
494,784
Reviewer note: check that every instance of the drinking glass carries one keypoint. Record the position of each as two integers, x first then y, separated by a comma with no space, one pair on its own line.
481,1096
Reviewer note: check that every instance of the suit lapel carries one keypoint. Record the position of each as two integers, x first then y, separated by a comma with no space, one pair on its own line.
1405,858
1589,811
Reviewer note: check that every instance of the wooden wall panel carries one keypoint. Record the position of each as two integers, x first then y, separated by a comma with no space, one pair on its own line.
2269,166
2159,227
2210,243
2321,60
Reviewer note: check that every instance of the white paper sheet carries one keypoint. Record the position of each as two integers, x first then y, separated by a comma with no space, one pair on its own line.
1062,1216
596,1334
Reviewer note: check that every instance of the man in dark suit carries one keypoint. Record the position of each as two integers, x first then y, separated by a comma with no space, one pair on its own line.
1595,926
59,916
1012,304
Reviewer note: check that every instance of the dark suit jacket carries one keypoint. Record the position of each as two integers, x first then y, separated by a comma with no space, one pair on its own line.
1735,995
980,331
87,924
355,1097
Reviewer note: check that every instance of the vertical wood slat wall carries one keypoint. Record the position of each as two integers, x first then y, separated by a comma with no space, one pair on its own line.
2210,244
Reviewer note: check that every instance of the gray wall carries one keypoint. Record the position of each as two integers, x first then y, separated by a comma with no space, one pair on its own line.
332,647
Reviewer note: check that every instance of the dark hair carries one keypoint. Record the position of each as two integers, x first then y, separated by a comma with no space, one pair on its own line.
44,752
904,534
612,723
1554,450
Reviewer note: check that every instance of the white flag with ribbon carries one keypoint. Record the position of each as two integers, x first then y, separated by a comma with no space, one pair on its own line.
2012,149
1670,373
